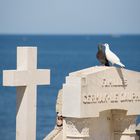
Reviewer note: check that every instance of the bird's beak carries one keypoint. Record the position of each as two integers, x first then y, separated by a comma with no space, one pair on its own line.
103,45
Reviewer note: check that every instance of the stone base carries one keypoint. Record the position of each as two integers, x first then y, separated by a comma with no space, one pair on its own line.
111,125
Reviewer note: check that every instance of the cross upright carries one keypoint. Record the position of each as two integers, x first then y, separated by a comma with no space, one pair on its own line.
26,78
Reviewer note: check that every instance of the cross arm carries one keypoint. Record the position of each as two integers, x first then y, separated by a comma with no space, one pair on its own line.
24,78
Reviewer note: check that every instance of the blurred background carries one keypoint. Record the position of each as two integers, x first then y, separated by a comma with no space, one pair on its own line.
66,33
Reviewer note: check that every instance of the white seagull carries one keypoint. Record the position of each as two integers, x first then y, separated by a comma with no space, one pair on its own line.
111,57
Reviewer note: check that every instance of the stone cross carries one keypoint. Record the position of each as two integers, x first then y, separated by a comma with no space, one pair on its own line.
26,78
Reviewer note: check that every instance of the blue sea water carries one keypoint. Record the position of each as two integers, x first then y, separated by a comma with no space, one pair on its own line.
61,54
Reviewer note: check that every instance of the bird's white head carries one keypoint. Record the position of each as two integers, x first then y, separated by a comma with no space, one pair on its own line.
106,46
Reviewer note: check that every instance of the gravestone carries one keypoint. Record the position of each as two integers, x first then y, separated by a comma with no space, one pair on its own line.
101,88
101,103
26,78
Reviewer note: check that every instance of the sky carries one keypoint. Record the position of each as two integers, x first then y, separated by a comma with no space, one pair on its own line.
69,16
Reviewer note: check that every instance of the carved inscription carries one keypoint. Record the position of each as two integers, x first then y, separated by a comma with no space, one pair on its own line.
101,98
110,98
106,83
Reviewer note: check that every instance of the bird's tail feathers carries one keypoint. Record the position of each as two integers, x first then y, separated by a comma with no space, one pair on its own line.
122,65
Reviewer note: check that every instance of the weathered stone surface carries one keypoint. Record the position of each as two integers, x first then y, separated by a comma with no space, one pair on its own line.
88,92
100,103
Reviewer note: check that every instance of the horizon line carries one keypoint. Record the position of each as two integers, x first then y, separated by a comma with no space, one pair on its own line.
41,34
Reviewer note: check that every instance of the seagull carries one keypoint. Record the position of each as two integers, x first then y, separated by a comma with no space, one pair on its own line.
111,57
101,55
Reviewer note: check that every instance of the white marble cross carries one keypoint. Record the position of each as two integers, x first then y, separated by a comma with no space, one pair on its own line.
26,78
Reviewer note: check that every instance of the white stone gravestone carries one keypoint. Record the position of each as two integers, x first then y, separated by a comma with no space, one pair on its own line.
101,103
26,78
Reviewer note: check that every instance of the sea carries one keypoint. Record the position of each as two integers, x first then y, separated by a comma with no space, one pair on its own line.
61,54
